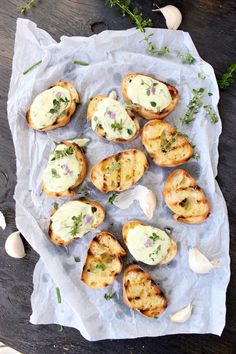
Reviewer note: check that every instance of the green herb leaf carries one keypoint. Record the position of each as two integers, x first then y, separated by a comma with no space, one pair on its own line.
153,104
55,173
196,156
55,205
117,126
100,266
155,252
211,114
130,131
194,105
32,67
77,259
154,237
58,295
112,197
108,296
57,154
80,62
77,223
27,5
227,78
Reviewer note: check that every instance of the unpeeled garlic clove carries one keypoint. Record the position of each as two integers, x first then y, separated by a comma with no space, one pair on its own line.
147,200
14,245
2,221
172,16
182,315
199,263
81,142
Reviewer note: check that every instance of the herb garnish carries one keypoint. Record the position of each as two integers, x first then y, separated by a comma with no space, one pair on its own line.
77,259
80,62
57,105
130,131
113,197
196,156
27,5
211,114
154,237
117,126
100,266
227,78
55,173
155,252
32,67
108,296
194,105
55,205
77,222
62,153
167,142
58,295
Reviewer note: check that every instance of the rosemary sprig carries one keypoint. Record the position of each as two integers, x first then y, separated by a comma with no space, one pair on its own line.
32,67
27,5
227,79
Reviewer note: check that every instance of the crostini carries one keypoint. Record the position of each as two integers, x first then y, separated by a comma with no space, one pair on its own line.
148,96
54,107
103,262
185,198
74,219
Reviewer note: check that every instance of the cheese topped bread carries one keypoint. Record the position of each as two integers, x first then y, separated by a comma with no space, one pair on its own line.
110,120
120,171
53,108
65,170
148,244
185,198
74,219
165,145
141,293
103,262
149,97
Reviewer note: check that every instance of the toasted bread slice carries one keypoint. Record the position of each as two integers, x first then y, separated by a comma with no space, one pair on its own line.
78,156
65,239
141,110
103,262
141,293
120,171
93,107
63,117
165,145
171,251
185,198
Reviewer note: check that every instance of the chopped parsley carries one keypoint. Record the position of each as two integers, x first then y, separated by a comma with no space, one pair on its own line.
155,252
55,173
117,126
108,296
80,62
154,237
62,153
112,197
77,220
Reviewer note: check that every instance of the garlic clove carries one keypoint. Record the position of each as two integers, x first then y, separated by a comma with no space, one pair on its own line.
2,221
182,315
199,263
172,16
80,142
147,200
113,95
14,245
125,199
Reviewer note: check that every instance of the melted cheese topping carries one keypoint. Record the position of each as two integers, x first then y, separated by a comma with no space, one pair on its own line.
148,244
63,169
114,119
49,105
149,93
73,219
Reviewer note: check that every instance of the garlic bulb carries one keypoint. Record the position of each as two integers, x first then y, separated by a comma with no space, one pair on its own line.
172,15
182,315
14,245
113,95
199,263
2,221
145,197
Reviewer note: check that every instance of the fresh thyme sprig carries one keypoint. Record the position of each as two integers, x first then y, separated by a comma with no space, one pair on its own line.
194,105
77,220
27,5
227,79
212,115
62,153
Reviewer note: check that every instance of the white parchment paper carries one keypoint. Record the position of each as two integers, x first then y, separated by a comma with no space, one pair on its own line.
111,55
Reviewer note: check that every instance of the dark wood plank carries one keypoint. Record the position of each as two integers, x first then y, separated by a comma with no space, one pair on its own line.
212,27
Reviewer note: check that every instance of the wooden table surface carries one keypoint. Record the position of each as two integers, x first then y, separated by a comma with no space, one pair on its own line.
212,26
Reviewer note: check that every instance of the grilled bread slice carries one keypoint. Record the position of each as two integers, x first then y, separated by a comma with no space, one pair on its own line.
120,171
141,293
185,198
65,171
139,107
103,262
54,107
120,124
152,246
74,219
165,145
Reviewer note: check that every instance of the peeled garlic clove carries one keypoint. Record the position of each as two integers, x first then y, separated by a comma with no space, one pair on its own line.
125,199
147,200
199,263
2,221
172,15
182,315
14,245
113,95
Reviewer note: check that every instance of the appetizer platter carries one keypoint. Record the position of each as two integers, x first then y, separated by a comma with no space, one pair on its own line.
115,201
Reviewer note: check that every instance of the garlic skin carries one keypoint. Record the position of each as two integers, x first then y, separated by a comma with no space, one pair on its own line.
14,245
113,95
146,198
199,263
2,221
81,142
172,16
182,315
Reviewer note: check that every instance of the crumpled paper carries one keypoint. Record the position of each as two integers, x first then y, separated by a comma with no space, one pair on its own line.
111,55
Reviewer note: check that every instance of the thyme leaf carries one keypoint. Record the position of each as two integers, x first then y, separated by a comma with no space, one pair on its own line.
211,114
77,222
227,78
27,5
62,153
112,197
108,296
